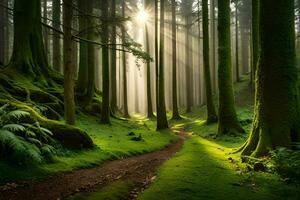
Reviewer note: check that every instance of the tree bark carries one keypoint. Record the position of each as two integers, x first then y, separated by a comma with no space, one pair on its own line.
277,118
57,47
162,121
228,121
255,37
113,61
3,27
105,115
211,112
237,42
176,114
189,68
69,65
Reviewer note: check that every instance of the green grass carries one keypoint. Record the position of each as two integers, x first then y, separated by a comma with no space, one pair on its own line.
112,143
202,171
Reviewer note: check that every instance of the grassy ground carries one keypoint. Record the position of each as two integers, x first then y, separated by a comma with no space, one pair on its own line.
112,142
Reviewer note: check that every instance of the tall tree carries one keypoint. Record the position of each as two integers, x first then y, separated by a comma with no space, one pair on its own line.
83,49
174,63
277,116
149,95
228,121
46,31
237,63
255,36
211,112
57,47
162,121
105,115
29,56
3,27
156,52
113,62
213,39
124,62
69,65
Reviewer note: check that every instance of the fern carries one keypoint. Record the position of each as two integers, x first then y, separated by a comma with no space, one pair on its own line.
17,114
14,127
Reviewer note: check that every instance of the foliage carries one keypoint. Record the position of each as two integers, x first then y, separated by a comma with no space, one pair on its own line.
23,140
286,162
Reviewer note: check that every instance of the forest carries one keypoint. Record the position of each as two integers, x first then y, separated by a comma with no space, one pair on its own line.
149,99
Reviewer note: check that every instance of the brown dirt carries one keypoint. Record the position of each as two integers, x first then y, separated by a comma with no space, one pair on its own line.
139,170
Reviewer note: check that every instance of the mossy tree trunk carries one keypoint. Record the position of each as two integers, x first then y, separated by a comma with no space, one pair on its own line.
124,62
69,65
228,121
113,62
277,118
57,56
255,37
105,115
162,121
29,56
211,112
176,114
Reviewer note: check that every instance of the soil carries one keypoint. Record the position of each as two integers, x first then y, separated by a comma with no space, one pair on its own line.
140,170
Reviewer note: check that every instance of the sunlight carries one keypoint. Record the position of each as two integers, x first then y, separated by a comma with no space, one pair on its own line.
142,16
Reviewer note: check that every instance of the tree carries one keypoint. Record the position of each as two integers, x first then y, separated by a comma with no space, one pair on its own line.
125,95
113,61
162,121
149,96
211,112
3,27
228,121
255,36
46,31
277,116
213,38
237,42
174,63
29,56
57,57
156,52
105,115
69,66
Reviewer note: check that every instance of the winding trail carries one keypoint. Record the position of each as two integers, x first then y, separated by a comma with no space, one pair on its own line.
139,170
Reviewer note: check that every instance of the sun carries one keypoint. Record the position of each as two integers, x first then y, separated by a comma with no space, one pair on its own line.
142,16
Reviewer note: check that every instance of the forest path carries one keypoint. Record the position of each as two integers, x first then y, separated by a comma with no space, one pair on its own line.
139,170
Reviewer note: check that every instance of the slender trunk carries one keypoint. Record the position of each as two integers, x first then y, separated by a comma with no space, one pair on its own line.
124,62
156,52
113,61
57,47
3,23
174,63
69,65
200,48
188,57
105,117
82,83
213,32
255,36
245,49
228,121
162,121
277,116
211,112
237,42
46,31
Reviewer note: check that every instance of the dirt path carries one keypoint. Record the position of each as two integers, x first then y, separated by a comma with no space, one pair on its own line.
140,170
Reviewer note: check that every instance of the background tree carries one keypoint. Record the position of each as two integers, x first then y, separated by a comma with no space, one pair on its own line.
277,117
174,63
211,112
113,62
255,36
162,121
69,66
57,47
228,121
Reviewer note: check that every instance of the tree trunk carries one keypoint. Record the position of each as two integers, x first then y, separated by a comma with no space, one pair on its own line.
57,56
105,117
228,121
69,65
189,68
277,118
255,37
162,122
3,26
82,83
245,49
46,31
213,32
237,42
211,112
176,115
29,56
156,53
124,62
113,60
